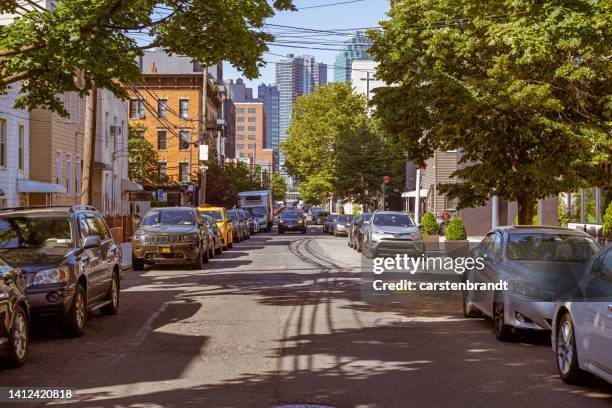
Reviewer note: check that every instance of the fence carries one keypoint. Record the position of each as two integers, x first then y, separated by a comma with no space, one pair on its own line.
121,226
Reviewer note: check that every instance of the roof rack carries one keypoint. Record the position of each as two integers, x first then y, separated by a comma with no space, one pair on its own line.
83,207
71,208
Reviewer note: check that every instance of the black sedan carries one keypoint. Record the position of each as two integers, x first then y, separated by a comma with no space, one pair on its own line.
14,317
291,221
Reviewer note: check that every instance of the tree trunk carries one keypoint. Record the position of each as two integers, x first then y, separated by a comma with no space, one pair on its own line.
525,208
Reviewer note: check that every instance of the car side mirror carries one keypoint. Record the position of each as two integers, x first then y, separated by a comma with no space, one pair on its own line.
138,223
92,241
487,254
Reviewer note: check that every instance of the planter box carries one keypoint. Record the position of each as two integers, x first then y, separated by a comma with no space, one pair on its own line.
432,242
456,249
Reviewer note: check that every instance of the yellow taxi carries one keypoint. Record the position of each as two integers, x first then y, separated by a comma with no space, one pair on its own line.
219,214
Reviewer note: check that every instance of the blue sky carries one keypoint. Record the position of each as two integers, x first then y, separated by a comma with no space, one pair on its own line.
366,13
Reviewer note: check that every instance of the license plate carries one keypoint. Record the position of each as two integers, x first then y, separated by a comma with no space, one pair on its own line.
164,250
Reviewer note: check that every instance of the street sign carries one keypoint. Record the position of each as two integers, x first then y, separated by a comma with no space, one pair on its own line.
160,195
203,152
386,179
190,188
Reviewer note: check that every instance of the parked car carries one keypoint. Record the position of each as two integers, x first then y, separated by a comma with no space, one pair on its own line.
253,220
328,225
172,236
238,226
224,223
242,216
69,259
358,228
15,321
292,221
321,217
342,225
390,233
215,233
351,230
582,324
537,263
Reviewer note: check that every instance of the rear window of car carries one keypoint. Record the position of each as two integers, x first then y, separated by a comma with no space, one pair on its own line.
529,246
345,218
291,215
216,215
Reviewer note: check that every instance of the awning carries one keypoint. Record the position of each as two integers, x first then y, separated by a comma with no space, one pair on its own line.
413,194
33,186
102,166
129,185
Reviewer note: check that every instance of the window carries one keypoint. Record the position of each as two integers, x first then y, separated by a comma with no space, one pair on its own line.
21,149
240,128
58,168
162,140
68,103
240,119
78,169
252,128
105,129
78,109
162,108
183,139
252,137
240,146
184,108
3,143
105,234
68,174
242,155
240,110
162,171
251,146
252,119
240,137
183,171
137,107
252,110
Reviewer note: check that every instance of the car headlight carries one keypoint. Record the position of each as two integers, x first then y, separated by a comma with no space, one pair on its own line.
531,291
47,276
379,234
139,236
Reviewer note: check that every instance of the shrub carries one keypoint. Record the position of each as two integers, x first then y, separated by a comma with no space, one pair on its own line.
428,224
455,230
607,221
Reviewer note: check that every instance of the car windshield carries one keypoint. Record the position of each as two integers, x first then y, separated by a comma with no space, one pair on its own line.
35,231
291,215
531,246
393,220
168,217
232,215
344,219
257,211
216,215
332,217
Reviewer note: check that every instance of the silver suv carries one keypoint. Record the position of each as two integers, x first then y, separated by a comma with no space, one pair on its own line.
390,233
69,259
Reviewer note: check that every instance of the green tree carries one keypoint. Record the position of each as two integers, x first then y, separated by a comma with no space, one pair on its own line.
429,225
142,156
523,89
279,187
98,41
225,180
316,188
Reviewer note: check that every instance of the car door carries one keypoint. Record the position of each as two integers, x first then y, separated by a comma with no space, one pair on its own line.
93,265
109,251
598,325
482,299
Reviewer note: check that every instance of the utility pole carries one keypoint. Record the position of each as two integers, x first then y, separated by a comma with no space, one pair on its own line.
89,147
201,166
417,200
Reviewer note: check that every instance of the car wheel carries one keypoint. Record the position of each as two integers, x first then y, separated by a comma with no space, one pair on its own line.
206,255
368,252
198,263
503,332
18,340
113,295
565,350
469,311
137,263
359,246
211,251
74,321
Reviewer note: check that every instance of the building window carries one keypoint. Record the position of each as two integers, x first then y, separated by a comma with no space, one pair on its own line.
3,202
240,146
162,108
240,110
240,119
105,129
252,110
240,137
252,128
162,142
3,143
183,139
58,168
137,107
68,174
184,108
21,149
240,128
162,171
251,146
252,119
78,168
68,104
183,171
242,155
78,109
252,137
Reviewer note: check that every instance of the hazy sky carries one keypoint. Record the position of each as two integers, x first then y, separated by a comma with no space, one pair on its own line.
366,13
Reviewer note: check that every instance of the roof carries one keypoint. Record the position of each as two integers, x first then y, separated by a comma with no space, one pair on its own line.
210,207
539,228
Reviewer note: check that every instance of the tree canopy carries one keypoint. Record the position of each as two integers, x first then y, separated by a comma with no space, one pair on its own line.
82,42
279,187
523,89
142,156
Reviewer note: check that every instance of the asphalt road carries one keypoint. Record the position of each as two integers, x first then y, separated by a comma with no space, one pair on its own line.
280,319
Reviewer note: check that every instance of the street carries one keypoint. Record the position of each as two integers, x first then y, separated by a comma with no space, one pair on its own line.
279,320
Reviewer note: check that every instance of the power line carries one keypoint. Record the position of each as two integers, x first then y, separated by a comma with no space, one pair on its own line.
330,4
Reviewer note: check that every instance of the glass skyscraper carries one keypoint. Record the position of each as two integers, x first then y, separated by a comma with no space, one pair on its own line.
268,94
354,48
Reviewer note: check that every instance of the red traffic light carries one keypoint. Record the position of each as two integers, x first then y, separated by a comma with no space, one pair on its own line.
386,179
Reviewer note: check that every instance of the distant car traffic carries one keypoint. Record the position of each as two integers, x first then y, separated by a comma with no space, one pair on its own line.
292,221
342,225
538,263
582,323
390,233
238,225
223,222
253,221
330,221
69,259
244,219
15,313
172,236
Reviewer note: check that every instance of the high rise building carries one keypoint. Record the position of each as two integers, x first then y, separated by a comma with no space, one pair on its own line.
268,95
239,92
354,48
295,76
